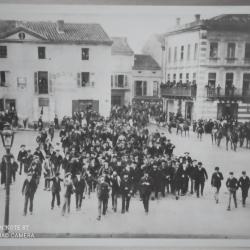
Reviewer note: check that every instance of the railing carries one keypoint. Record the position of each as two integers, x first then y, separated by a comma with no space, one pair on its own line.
119,86
178,92
228,93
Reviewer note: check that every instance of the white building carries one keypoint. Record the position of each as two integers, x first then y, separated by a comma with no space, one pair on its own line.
55,67
121,79
214,54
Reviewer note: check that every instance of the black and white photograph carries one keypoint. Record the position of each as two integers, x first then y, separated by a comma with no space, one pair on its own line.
124,121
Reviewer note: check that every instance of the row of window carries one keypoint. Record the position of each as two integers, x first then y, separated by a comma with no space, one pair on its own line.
229,80
41,52
231,50
194,56
213,52
181,79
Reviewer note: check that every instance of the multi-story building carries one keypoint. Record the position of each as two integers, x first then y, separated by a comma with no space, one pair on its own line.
134,77
121,79
147,77
54,68
213,54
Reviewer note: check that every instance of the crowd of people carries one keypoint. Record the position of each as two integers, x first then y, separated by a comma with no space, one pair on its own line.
114,157
8,116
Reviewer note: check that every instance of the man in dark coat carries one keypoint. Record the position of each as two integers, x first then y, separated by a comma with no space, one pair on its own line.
200,178
56,160
22,155
232,185
13,168
55,189
216,179
126,192
146,188
80,185
28,190
115,184
102,195
244,184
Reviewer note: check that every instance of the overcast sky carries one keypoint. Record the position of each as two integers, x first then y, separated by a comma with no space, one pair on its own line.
137,23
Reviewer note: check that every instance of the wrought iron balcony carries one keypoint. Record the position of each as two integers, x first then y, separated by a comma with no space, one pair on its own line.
232,94
123,86
182,91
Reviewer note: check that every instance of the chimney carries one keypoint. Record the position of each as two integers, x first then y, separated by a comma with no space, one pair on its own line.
197,17
60,26
178,21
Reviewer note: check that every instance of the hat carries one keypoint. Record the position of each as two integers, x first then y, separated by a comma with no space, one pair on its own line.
243,172
22,146
194,160
57,173
231,173
216,168
199,163
29,151
186,153
67,174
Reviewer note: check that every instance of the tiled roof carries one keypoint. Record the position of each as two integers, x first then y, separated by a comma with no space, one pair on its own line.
232,22
145,62
120,46
72,32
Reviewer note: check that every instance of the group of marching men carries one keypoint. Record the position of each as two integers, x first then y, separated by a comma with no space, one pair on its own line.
114,157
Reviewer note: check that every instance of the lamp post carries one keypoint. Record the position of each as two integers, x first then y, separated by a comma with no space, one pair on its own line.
7,136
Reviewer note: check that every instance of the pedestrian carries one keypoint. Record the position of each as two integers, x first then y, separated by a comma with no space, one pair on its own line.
69,190
232,185
115,185
244,184
13,168
80,186
200,178
126,192
28,190
22,155
56,122
216,179
102,195
55,189
146,188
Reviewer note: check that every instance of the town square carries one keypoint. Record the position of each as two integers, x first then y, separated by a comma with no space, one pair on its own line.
104,138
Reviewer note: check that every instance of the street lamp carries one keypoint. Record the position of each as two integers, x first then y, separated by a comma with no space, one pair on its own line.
7,136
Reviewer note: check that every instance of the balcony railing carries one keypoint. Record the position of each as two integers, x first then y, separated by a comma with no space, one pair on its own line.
178,91
120,86
228,94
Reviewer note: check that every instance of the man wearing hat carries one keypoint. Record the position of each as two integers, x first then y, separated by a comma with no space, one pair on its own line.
68,192
146,188
232,185
217,177
244,184
28,161
126,192
200,178
22,155
56,189
28,190
187,158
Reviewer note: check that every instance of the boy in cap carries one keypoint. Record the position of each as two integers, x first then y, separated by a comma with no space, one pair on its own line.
244,184
232,185
217,177
200,178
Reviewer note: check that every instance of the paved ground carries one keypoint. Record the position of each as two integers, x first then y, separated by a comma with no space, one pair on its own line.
186,217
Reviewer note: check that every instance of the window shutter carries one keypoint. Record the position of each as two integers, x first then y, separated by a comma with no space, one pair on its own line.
50,84
125,81
36,82
116,80
78,80
112,81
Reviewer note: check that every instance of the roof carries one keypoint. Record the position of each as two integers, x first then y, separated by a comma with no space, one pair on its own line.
72,32
230,22
145,62
120,46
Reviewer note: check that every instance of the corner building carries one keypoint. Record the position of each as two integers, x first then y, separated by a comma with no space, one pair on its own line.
213,54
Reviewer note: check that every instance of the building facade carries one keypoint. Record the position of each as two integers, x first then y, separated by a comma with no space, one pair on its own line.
54,68
207,67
